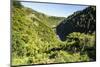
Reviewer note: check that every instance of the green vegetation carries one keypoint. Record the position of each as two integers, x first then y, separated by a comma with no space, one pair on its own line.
81,21
34,40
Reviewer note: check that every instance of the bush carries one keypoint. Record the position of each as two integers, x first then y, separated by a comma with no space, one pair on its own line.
80,42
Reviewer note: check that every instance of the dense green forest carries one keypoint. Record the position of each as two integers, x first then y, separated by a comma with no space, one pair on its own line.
36,36
80,21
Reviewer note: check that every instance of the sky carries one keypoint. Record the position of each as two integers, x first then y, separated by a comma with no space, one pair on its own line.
51,9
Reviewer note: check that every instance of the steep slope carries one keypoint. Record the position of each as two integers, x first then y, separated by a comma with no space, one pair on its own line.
81,21
35,42
32,35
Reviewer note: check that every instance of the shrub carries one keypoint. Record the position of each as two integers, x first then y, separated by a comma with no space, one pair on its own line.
83,43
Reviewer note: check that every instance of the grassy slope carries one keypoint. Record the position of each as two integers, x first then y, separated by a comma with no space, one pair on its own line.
31,33
34,41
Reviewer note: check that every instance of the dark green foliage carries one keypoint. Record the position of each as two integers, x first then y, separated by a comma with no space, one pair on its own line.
16,4
81,21
83,43
34,40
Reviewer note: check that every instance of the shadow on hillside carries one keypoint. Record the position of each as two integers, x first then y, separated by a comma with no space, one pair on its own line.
63,29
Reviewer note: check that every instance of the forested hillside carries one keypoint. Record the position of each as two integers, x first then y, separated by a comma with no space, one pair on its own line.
34,40
81,21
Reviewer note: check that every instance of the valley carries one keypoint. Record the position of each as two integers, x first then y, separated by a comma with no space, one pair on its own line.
38,38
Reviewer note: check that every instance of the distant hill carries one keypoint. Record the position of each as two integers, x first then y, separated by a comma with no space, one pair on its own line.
81,21
50,21
34,39
32,24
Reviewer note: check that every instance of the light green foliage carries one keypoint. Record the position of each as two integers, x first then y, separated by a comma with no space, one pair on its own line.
83,39
82,43
31,37
35,42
